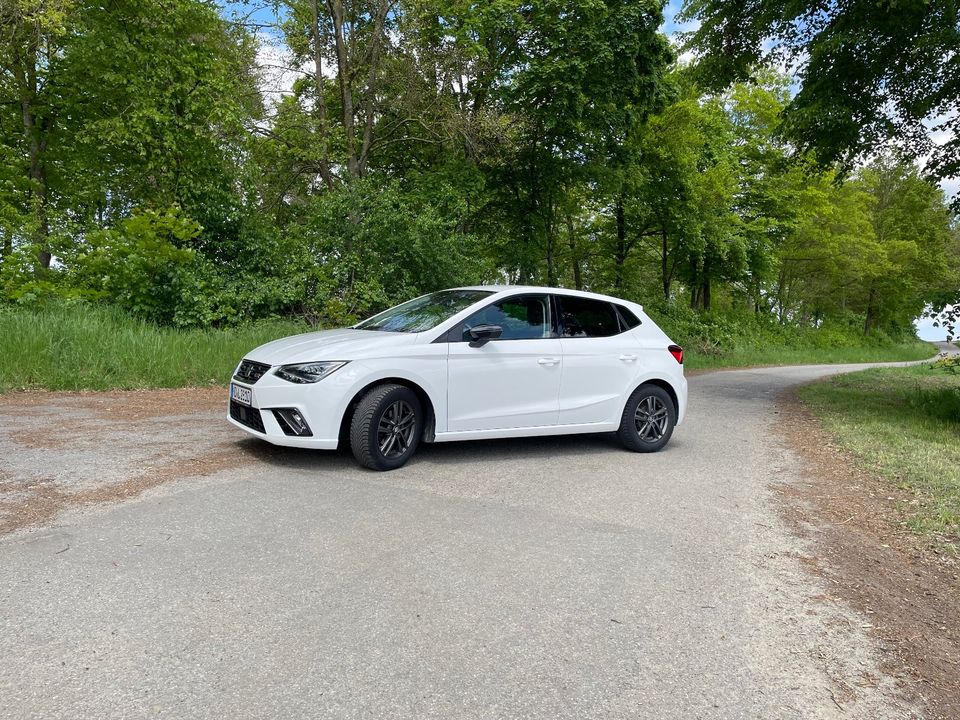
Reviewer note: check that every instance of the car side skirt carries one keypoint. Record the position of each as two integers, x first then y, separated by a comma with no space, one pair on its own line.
537,431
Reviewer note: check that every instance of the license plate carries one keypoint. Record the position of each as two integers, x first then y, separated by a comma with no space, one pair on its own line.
242,395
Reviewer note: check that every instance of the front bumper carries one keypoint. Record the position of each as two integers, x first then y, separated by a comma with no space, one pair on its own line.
275,435
320,404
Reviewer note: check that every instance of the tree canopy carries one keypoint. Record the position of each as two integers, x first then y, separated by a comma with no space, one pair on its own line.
868,72
429,143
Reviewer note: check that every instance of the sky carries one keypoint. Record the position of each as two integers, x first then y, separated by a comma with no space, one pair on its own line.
927,331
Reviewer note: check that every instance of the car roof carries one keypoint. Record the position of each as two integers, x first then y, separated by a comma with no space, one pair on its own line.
543,289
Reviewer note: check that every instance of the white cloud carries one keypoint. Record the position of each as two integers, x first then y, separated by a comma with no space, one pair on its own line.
276,71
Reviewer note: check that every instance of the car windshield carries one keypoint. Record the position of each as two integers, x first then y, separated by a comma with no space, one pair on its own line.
425,312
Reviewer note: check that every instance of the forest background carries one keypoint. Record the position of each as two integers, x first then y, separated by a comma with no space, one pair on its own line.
769,178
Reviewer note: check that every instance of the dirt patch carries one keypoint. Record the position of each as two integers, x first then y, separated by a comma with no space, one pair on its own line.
120,404
905,585
60,450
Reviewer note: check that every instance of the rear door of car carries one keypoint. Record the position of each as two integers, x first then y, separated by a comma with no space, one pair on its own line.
601,358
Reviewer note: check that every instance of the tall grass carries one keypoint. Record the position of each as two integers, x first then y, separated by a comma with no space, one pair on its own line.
83,347
98,348
774,355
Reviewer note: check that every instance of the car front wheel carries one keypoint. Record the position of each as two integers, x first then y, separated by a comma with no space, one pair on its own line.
386,427
648,419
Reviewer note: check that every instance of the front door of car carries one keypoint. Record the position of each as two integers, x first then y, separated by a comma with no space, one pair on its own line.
512,381
601,360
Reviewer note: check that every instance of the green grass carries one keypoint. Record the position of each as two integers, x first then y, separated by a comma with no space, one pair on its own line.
83,347
903,423
97,348
809,356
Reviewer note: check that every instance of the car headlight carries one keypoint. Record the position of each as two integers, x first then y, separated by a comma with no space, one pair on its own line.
307,372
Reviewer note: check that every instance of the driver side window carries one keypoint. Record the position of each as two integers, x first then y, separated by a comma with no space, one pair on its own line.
524,317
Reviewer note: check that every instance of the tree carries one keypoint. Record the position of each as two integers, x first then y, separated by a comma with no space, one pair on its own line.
870,72
31,46
124,105
912,226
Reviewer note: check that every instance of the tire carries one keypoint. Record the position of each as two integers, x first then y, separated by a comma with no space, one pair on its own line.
386,427
648,419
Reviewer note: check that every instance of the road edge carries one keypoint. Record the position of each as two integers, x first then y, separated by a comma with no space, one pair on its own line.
907,594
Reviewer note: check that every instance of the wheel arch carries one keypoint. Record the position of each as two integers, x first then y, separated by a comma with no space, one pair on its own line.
429,425
659,382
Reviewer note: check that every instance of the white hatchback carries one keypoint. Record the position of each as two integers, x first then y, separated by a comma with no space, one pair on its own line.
467,364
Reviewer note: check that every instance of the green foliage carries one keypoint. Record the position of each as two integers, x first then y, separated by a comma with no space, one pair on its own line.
374,245
870,72
731,338
143,264
432,143
947,363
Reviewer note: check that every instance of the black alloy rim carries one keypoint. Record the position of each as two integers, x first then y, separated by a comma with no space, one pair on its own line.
396,428
651,419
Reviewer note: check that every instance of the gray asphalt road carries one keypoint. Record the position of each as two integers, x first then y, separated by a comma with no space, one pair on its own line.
546,578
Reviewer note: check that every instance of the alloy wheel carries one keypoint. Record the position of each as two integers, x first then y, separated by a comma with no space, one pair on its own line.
396,428
651,418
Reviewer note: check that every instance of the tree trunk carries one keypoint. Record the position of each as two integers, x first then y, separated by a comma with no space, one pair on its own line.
345,81
34,134
550,276
320,106
781,288
871,310
574,257
621,254
8,247
705,286
369,110
665,273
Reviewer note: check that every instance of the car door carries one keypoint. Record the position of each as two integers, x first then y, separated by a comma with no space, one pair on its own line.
600,360
510,382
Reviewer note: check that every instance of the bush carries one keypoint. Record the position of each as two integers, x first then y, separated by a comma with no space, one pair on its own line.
142,264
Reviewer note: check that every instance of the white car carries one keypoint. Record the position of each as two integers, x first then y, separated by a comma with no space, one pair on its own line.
467,364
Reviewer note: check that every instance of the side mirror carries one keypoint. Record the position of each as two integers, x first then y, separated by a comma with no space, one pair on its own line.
482,334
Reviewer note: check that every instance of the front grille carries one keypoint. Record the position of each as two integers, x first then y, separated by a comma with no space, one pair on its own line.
246,416
249,372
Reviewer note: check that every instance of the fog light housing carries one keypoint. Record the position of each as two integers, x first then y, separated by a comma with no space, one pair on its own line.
292,422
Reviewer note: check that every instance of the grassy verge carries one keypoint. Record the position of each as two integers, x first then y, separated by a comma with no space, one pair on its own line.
84,348
903,423
809,356
99,348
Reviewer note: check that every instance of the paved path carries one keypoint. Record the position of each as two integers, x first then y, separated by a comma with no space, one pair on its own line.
545,578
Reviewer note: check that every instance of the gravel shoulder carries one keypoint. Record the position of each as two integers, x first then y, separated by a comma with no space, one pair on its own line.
905,587
552,577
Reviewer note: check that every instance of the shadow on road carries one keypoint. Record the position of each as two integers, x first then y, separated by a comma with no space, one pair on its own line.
453,453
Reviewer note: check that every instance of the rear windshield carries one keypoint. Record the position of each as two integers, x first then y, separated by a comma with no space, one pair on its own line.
423,313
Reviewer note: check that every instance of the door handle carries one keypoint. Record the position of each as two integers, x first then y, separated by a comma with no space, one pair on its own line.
628,358
548,361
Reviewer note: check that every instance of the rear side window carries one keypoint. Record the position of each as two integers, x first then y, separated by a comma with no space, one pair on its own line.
583,317
627,318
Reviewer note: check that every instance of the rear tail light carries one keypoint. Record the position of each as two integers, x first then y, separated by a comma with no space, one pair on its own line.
677,353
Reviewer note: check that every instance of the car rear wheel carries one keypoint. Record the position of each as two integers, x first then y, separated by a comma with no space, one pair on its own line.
648,419
386,427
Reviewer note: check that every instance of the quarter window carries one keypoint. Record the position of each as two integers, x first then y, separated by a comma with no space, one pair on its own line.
583,317
628,319
524,317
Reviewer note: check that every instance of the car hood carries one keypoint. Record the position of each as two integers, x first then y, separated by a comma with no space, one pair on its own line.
346,344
